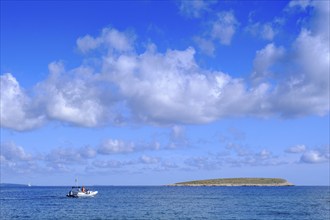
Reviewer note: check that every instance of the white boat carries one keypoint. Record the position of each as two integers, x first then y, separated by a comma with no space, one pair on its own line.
77,192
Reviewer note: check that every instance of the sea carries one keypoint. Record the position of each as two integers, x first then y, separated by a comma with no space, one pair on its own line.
166,202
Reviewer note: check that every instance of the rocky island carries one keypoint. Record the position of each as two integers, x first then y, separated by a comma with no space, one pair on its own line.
236,182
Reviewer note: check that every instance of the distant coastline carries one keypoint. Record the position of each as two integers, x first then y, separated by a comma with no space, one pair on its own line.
13,185
236,182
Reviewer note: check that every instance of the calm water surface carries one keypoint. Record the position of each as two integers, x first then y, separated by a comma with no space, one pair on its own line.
114,202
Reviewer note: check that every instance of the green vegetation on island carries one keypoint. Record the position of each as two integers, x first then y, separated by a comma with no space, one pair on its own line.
237,182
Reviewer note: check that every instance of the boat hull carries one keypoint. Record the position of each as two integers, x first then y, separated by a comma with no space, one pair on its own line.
87,194
81,194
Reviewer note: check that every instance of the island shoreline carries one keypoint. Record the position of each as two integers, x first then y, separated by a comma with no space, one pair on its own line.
224,182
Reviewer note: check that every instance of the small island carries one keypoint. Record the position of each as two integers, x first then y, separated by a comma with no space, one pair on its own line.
236,182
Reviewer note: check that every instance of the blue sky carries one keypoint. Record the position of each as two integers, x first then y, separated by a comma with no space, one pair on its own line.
156,92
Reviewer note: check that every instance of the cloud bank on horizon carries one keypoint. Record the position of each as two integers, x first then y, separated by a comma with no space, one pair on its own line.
118,84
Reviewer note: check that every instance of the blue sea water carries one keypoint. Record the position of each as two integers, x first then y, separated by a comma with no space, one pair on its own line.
161,202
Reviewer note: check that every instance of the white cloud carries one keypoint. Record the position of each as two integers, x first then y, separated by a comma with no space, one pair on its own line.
320,21
315,156
63,155
153,87
265,31
309,155
110,38
309,46
206,46
11,152
296,149
264,60
66,159
170,87
87,43
17,110
300,73
178,132
115,146
178,137
149,160
303,4
74,97
87,152
306,89
224,27
15,159
264,154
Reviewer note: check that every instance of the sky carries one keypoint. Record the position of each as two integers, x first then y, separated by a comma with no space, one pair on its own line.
158,92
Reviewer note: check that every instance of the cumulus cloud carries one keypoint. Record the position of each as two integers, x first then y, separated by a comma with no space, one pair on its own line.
296,149
172,81
181,90
205,45
219,30
315,156
224,27
300,72
11,152
171,87
111,146
265,60
110,39
87,152
70,155
265,31
311,155
14,158
303,4
320,21
306,90
149,160
76,97
116,146
18,111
